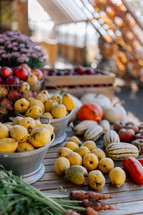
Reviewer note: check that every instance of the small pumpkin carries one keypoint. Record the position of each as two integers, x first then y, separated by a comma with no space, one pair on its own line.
90,111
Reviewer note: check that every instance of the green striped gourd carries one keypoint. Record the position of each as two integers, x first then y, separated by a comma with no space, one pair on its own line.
81,127
93,133
119,151
110,136
105,124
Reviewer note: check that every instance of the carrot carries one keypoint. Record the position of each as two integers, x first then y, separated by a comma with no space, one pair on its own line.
96,205
90,211
71,212
80,195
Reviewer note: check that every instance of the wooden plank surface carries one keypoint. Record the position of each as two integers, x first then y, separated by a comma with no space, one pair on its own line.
128,199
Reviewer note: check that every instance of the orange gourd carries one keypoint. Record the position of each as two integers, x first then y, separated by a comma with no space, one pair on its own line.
90,111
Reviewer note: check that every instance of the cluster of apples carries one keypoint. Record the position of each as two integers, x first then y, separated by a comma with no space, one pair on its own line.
77,160
17,82
130,132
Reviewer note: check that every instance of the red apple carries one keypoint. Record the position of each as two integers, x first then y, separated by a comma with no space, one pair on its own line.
132,126
80,70
1,81
5,72
21,73
12,80
90,71
25,66
38,73
118,125
139,144
126,135
14,95
52,72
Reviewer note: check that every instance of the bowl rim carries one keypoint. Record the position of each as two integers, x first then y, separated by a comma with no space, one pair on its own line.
28,153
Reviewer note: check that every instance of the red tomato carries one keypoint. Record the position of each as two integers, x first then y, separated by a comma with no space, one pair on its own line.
90,111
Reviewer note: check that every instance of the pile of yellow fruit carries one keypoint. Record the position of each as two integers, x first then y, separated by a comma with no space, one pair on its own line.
77,160
56,106
24,134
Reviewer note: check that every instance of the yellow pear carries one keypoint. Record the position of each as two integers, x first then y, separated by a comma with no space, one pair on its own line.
117,176
71,145
82,150
4,131
25,147
57,98
49,127
37,123
28,123
42,98
44,92
74,158
21,105
106,164
8,145
39,137
38,103
69,101
96,180
58,111
19,133
17,120
63,152
76,140
31,99
8,125
90,161
49,104
48,115
76,174
99,153
34,112
61,165
89,144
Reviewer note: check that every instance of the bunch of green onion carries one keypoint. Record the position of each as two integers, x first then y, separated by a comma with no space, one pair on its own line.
20,198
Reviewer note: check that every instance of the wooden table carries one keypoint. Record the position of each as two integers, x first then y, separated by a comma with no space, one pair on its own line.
128,199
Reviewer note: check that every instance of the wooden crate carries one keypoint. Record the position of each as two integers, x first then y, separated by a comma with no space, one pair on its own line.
81,84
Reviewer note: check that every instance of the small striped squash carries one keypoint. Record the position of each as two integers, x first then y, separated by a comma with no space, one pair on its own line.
93,133
119,151
81,127
110,136
105,124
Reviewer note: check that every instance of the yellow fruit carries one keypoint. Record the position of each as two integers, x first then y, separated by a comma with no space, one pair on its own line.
63,152
76,140
44,92
48,115
17,120
90,161
8,145
37,123
39,137
71,145
106,164
21,105
25,147
68,101
89,144
96,180
49,127
4,131
61,165
58,111
8,125
28,123
3,92
76,174
34,112
19,133
30,99
37,103
74,158
57,98
42,98
49,104
99,153
117,176
82,150
25,87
